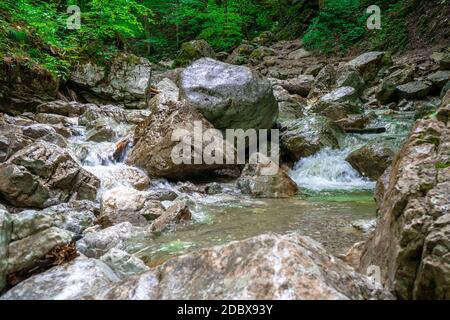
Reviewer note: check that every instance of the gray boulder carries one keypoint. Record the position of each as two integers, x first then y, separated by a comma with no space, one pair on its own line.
123,264
370,63
229,96
413,90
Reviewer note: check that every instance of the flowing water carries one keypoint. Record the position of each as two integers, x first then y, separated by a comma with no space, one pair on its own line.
333,196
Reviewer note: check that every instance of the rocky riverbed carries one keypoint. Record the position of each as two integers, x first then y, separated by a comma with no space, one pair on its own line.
93,207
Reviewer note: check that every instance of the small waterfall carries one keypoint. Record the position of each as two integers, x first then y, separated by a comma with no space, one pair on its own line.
328,170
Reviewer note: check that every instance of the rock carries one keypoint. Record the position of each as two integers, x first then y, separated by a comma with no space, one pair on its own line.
240,55
372,159
25,254
300,85
413,90
230,97
439,79
124,204
299,54
66,282
175,214
324,81
348,76
193,50
338,103
118,175
352,122
96,243
64,108
387,89
259,54
365,226
12,140
123,264
369,64
213,188
101,130
154,148
266,267
42,174
274,184
290,107
353,255
162,194
5,238
168,92
24,87
444,62
411,241
305,137
265,38
126,81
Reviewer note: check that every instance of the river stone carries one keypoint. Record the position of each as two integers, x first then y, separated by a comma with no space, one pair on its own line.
95,243
413,90
69,281
304,137
370,63
25,253
348,76
5,238
411,241
123,264
102,130
123,204
290,107
275,183
230,97
193,50
439,79
386,90
153,148
42,174
267,267
372,159
177,213
122,175
64,108
125,82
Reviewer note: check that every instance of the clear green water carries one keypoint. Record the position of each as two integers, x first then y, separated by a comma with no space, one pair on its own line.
326,217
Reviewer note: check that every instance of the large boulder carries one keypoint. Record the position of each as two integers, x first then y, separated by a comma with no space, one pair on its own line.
305,137
413,90
387,89
370,63
372,159
43,174
275,184
411,242
263,268
345,98
124,80
229,96
66,282
290,106
193,50
155,147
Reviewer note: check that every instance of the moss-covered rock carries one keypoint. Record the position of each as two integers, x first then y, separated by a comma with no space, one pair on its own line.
193,50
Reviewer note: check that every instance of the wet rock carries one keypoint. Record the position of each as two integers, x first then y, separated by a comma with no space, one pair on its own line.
64,108
124,204
352,122
193,50
229,96
96,243
346,96
305,137
290,107
154,148
26,253
372,159
213,188
411,242
266,180
162,194
70,281
5,238
122,175
413,90
125,81
265,267
42,174
123,264
102,129
175,214
370,63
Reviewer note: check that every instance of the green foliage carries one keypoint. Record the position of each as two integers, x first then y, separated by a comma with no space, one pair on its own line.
340,24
